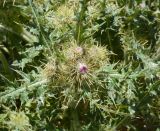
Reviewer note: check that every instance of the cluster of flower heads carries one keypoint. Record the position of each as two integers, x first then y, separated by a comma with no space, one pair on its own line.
79,64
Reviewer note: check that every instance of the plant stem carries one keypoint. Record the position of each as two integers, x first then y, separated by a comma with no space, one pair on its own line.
75,124
80,20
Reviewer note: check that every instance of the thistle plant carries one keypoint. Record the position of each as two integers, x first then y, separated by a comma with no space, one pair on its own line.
77,71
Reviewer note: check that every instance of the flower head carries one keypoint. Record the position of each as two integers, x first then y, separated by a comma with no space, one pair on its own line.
79,50
49,70
74,52
19,120
143,5
82,68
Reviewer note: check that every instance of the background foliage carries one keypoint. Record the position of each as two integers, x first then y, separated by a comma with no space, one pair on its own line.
45,43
